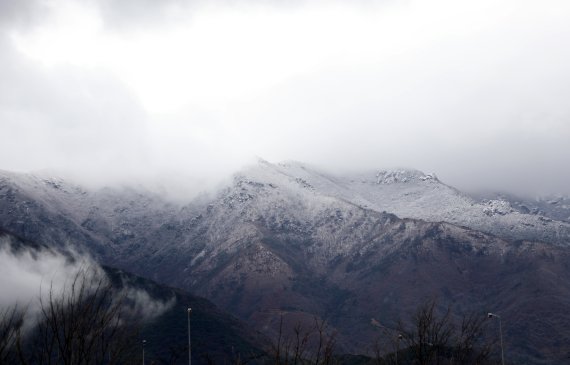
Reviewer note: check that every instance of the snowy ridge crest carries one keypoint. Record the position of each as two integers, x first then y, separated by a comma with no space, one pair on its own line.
497,206
403,176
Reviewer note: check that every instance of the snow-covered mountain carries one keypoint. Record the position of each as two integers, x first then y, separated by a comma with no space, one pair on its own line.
403,192
553,206
412,194
288,240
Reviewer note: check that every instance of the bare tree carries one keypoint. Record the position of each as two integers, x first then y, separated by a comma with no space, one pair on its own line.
313,346
87,323
11,321
429,335
470,345
325,350
436,339
301,340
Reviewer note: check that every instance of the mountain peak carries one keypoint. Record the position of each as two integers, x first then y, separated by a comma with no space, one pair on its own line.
403,176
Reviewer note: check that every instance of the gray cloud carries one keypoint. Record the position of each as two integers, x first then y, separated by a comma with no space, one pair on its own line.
26,275
20,13
144,306
65,118
474,92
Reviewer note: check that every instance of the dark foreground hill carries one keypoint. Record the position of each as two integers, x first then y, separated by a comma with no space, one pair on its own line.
217,337
159,312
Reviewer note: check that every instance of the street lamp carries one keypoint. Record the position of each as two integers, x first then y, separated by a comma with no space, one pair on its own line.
143,345
491,315
398,346
189,342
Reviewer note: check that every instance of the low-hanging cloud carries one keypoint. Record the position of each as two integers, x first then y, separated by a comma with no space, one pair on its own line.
144,306
24,272
189,91
29,276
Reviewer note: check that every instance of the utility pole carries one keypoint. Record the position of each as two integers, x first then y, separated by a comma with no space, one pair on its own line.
189,338
491,315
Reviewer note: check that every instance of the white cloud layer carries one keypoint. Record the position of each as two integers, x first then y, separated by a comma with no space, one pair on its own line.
474,91
26,275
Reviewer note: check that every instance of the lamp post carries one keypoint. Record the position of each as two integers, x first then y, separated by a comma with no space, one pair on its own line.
189,341
398,346
491,315
143,345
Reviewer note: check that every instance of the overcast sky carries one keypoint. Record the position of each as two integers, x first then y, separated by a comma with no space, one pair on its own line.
476,91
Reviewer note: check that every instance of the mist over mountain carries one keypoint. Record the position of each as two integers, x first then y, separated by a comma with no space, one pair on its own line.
122,92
